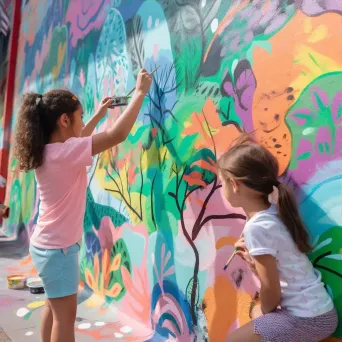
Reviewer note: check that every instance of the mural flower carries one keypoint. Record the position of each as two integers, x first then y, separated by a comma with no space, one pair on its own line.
317,7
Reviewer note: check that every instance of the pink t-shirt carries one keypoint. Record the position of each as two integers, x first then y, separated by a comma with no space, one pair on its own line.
62,186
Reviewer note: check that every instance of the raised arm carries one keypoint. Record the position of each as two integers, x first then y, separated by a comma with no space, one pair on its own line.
122,127
95,119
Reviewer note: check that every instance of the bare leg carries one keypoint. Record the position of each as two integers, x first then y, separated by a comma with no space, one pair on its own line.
244,334
64,315
46,324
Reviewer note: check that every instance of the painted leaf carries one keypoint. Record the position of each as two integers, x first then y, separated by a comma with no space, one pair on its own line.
114,291
320,98
135,39
111,54
194,178
302,116
245,83
327,258
90,279
207,89
209,166
227,85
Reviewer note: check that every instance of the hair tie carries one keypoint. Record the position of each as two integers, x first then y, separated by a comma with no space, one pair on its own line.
38,99
273,197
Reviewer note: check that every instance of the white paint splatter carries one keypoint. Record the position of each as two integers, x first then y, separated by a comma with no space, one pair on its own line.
126,329
29,333
157,22
214,25
118,335
309,130
100,324
22,312
84,326
149,22
203,3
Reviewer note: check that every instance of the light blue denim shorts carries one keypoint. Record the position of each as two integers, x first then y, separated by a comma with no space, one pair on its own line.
58,269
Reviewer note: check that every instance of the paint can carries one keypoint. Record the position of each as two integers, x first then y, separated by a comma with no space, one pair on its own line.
16,281
35,285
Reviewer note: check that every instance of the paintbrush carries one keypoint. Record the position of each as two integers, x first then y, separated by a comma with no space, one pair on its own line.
232,256
151,73
230,259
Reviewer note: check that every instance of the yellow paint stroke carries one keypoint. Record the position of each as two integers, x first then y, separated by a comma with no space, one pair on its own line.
318,34
61,53
36,305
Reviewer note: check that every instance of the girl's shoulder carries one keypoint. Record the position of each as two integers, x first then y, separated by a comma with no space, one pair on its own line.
266,222
269,216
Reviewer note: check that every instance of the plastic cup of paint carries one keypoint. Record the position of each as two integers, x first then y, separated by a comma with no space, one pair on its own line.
16,281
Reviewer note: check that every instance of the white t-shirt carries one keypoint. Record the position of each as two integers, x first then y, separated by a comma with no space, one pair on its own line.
302,290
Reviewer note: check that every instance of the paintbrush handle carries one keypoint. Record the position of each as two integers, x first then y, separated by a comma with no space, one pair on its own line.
151,73
230,259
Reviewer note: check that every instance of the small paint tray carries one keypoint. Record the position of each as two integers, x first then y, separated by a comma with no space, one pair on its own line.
35,285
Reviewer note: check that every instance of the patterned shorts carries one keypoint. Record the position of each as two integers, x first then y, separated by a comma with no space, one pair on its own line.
280,326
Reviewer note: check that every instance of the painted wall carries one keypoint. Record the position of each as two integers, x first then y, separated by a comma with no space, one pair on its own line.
157,231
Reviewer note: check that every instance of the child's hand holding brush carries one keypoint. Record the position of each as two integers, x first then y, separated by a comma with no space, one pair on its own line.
242,251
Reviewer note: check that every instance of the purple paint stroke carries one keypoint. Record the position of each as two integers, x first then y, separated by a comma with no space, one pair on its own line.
312,154
301,116
336,108
317,7
84,16
242,90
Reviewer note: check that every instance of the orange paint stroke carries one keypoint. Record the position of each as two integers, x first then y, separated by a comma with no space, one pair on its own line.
224,23
221,308
226,241
279,87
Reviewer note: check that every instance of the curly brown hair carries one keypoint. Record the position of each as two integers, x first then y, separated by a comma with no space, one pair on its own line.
37,120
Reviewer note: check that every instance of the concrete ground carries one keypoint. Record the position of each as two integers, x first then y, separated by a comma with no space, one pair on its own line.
20,310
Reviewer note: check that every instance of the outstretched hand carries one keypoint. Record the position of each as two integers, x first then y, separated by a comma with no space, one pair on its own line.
103,107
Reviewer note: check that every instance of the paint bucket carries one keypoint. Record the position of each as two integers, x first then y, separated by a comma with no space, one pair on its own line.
35,285
16,281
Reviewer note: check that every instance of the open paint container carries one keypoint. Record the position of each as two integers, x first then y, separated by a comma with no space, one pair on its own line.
35,285
16,281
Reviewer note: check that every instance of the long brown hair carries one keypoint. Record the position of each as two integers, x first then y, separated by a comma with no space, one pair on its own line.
253,165
37,120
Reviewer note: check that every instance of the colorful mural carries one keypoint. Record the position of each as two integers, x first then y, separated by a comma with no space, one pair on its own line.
157,231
